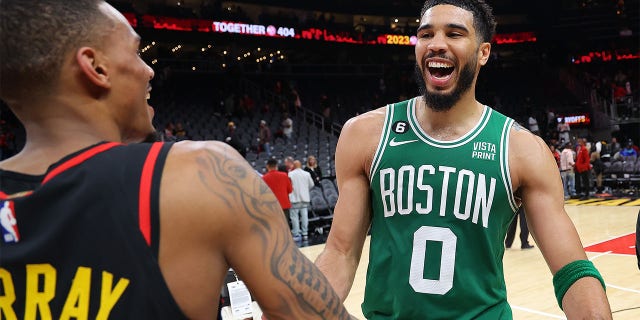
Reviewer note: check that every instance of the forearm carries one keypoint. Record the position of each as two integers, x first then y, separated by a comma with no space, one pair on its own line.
586,299
339,269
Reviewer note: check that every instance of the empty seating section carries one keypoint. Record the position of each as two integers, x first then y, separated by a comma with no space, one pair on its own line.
204,117
622,174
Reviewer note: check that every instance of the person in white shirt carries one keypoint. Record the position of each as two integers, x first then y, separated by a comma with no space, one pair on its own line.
287,127
563,131
566,170
300,200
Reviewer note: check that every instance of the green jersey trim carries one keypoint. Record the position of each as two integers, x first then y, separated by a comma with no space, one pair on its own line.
382,144
411,115
504,163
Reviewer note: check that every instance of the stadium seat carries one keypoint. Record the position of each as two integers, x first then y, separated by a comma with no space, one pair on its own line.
328,188
319,204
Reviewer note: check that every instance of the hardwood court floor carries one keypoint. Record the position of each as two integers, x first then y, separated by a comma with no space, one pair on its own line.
529,282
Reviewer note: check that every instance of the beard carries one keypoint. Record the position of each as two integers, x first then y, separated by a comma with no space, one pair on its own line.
441,102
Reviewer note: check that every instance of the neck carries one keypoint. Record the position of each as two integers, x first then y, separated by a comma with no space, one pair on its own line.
55,129
453,123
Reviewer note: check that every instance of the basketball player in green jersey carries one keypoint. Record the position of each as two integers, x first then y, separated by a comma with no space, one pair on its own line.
437,179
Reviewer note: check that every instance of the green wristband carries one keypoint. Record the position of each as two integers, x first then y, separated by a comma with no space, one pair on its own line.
572,272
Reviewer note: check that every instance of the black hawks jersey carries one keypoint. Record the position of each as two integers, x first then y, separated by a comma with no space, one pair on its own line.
441,210
83,243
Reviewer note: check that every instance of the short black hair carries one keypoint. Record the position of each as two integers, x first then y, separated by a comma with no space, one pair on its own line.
37,35
483,20
272,163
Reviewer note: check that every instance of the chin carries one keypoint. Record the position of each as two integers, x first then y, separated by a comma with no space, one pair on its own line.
440,102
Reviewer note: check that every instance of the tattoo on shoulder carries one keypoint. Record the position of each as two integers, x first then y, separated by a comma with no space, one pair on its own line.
238,188
234,184
518,127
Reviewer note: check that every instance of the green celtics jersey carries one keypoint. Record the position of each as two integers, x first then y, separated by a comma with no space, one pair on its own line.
440,214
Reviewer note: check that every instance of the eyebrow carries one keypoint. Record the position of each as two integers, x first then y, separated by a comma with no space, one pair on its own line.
449,26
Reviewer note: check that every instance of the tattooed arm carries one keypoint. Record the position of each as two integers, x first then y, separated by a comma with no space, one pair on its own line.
216,212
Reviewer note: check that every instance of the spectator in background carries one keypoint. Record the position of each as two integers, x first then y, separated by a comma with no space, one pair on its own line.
524,231
297,103
629,150
313,169
325,108
555,153
551,127
280,185
289,163
169,132
233,141
264,137
615,147
551,119
583,169
598,167
605,151
300,200
566,170
285,131
231,129
287,127
181,132
563,131
621,88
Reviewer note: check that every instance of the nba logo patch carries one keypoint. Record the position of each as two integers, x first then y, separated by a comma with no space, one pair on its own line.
8,222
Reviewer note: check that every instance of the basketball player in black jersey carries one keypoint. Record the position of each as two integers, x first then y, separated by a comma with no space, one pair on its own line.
94,226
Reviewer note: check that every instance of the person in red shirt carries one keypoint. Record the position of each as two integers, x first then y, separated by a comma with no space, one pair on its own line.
280,185
555,153
583,169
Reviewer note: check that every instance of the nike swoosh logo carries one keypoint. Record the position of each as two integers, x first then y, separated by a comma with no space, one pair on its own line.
394,143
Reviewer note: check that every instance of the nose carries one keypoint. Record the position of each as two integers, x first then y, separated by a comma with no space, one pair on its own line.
151,72
437,43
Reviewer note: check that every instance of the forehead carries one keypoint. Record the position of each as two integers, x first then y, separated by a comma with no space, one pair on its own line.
122,29
446,14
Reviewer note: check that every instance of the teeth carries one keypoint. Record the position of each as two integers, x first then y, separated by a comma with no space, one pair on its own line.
436,64
148,95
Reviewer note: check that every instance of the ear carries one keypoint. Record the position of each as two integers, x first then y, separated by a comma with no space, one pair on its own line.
93,66
484,53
